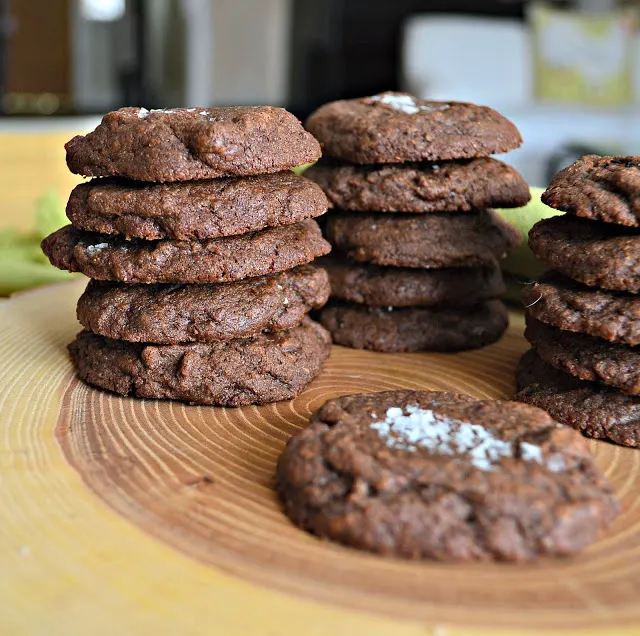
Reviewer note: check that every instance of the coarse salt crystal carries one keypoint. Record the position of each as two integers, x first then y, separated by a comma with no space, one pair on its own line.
414,428
91,249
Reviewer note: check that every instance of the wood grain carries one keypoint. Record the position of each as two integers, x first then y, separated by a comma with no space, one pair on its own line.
200,480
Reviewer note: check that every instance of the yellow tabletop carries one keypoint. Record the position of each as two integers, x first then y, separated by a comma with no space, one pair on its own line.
32,161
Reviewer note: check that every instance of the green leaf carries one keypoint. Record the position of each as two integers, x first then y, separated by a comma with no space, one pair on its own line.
17,274
50,214
522,260
299,170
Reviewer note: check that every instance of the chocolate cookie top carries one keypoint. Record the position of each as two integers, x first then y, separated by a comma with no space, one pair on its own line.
109,257
170,314
436,475
396,127
601,188
594,409
265,368
415,329
586,357
456,186
594,253
432,240
560,302
404,287
194,209
181,144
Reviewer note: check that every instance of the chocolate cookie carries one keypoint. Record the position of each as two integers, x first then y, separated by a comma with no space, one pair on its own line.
435,475
591,252
109,257
170,314
457,186
265,368
181,144
415,329
586,357
594,409
601,188
562,303
404,287
396,127
431,240
194,209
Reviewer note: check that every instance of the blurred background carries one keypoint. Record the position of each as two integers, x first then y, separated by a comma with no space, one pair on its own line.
567,73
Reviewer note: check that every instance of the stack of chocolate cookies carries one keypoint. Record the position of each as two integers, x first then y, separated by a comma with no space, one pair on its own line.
583,317
417,243
198,239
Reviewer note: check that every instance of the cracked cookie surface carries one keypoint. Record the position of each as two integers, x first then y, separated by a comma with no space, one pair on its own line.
415,328
182,144
378,286
109,257
591,252
194,209
396,127
594,409
436,475
563,303
599,188
586,357
170,314
455,186
259,370
426,241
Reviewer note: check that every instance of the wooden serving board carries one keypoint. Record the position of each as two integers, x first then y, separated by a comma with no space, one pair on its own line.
123,516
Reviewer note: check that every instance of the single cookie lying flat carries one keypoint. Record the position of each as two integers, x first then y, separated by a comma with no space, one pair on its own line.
415,329
592,408
109,257
594,253
405,287
601,188
457,186
194,209
425,241
420,474
586,357
170,314
560,302
265,368
396,127
181,144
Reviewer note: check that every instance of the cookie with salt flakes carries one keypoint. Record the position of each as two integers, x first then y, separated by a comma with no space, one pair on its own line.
435,475
395,127
182,144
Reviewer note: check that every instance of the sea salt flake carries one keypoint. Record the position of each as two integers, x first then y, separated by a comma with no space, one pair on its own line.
414,428
92,249
556,463
191,110
435,109
142,113
405,103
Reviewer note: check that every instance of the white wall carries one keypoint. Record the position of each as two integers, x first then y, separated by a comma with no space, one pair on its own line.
250,51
